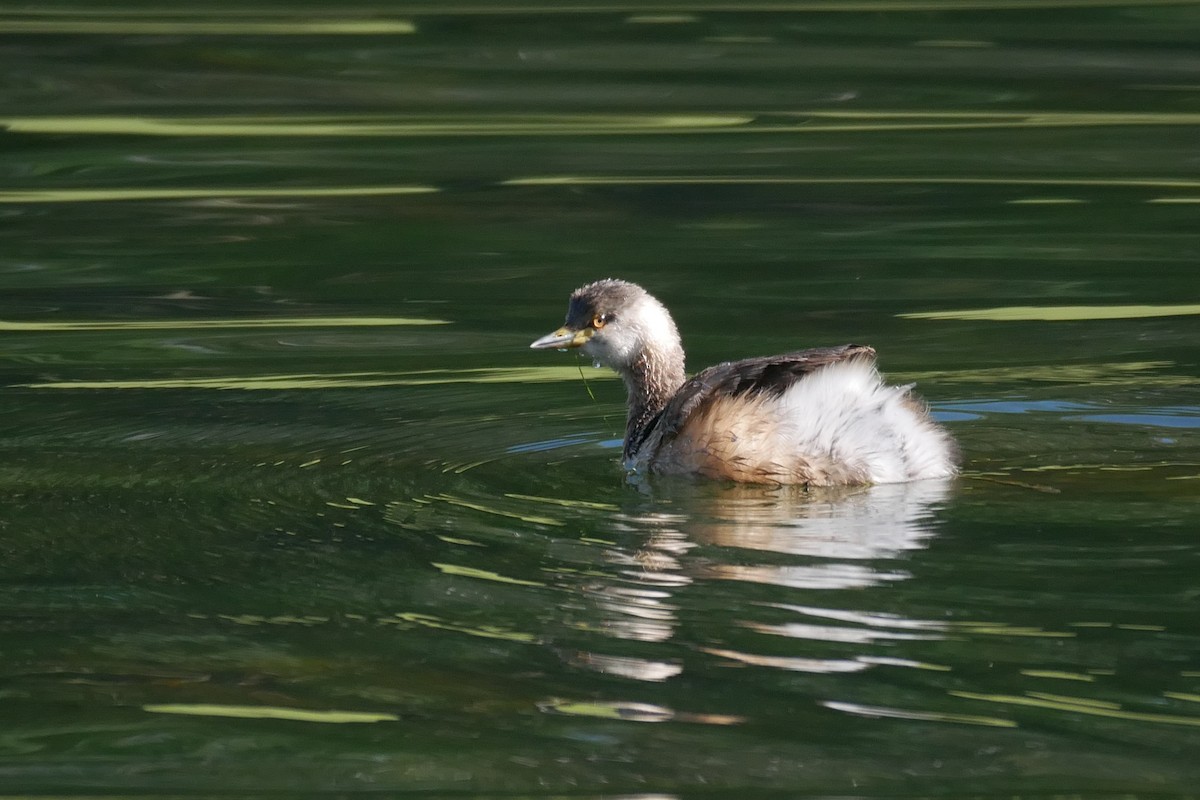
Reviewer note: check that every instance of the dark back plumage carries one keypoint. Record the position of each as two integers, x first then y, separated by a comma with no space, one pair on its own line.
765,375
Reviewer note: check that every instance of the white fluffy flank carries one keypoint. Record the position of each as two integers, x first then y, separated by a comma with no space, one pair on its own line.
844,413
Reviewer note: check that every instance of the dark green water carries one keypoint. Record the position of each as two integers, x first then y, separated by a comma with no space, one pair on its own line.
287,505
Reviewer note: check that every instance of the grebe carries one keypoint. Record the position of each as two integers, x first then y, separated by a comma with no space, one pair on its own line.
821,417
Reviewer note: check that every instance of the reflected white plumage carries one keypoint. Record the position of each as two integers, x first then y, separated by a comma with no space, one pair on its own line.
821,417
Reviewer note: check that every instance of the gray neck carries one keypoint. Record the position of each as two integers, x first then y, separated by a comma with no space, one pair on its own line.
652,380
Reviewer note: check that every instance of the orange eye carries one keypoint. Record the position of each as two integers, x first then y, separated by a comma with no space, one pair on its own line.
599,321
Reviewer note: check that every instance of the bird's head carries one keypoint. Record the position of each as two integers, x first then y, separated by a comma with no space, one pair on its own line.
613,322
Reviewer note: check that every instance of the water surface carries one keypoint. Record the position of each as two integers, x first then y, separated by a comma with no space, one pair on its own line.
289,506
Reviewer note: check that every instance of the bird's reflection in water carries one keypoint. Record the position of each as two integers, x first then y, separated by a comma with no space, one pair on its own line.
838,535
639,604
838,529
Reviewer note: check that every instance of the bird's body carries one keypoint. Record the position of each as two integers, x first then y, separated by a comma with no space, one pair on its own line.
821,417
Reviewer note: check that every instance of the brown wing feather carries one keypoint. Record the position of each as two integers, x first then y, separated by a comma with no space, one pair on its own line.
769,375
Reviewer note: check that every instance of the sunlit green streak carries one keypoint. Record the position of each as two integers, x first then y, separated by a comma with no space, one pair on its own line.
1106,373
693,7
1080,706
258,619
1110,468
884,661
464,542
1000,629
1189,698
101,195
1059,313
1057,675
662,19
482,631
814,122
454,501
1047,201
780,180
1032,117
1090,702
181,324
178,27
598,710
460,468
349,380
565,503
610,710
960,43
571,124
923,716
483,574
268,712
991,478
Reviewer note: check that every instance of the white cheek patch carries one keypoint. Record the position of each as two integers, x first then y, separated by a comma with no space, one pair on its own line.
654,322
644,323
607,349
